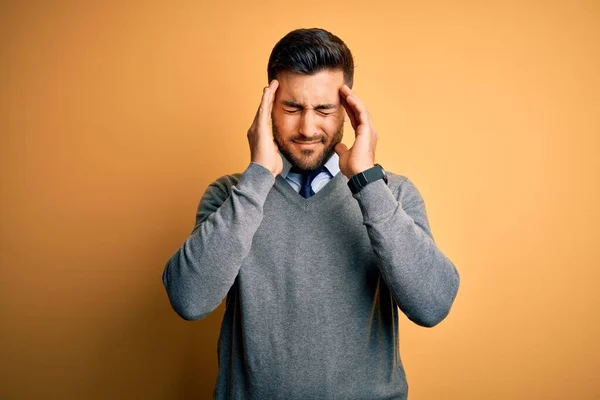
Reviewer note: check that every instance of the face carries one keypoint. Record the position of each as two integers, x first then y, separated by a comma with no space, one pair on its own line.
308,117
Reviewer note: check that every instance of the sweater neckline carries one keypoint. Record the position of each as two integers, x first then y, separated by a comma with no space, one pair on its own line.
333,190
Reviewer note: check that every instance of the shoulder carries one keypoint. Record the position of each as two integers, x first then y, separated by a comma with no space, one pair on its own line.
222,185
256,180
411,200
215,195
227,181
404,188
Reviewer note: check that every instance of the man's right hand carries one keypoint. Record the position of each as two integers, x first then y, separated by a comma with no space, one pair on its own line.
263,149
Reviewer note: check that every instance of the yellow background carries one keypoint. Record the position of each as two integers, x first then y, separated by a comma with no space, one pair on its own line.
115,118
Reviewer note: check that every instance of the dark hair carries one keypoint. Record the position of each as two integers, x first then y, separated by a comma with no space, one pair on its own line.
308,51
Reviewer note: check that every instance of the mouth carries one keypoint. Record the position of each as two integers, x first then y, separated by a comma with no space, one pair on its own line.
307,144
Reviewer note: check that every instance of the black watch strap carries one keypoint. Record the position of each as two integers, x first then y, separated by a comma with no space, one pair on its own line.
362,179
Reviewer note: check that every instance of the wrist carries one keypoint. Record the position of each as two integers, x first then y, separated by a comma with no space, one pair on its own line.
272,169
360,169
360,180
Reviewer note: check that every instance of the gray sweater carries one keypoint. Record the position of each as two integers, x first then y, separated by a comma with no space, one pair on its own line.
312,286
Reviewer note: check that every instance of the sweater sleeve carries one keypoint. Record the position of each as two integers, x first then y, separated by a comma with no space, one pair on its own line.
423,281
200,273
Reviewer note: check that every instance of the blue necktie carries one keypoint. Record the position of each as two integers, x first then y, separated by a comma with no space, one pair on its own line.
307,178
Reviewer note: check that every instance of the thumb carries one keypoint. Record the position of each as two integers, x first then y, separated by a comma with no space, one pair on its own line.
341,149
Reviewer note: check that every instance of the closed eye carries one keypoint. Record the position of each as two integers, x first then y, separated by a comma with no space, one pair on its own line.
296,111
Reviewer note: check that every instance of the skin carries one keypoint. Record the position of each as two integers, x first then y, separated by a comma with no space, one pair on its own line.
303,117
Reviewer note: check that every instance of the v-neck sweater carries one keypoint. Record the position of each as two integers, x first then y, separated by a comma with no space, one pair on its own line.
312,286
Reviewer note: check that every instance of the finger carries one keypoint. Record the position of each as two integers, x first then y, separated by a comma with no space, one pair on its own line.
341,149
349,111
260,106
264,115
345,89
359,106
360,111
273,87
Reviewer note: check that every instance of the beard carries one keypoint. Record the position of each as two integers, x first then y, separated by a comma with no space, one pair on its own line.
307,160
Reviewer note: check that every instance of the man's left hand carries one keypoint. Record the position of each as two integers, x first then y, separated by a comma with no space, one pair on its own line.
361,155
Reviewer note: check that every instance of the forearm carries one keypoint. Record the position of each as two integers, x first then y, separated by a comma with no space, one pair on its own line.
200,273
421,278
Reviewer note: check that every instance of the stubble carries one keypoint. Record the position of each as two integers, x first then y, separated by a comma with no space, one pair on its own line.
306,161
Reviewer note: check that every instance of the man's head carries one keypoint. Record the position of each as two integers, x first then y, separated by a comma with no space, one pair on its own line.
311,66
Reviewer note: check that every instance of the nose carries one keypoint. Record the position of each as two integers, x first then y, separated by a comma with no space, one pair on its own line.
308,128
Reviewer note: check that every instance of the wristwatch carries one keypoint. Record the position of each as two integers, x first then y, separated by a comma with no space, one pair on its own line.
362,179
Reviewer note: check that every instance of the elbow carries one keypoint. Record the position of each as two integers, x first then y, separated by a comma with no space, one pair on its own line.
188,313
190,309
430,318
186,307
438,309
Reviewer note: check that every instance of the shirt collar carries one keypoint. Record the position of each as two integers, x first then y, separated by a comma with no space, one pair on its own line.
332,165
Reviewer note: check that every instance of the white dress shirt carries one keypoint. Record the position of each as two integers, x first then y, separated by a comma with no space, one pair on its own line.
332,167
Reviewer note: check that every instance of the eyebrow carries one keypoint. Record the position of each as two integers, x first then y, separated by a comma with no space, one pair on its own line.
293,104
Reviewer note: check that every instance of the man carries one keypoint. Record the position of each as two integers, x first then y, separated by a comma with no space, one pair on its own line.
313,246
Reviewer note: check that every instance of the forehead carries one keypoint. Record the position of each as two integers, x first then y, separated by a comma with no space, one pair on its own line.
321,87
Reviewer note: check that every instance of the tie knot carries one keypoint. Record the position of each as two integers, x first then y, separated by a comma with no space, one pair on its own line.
307,178
313,174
